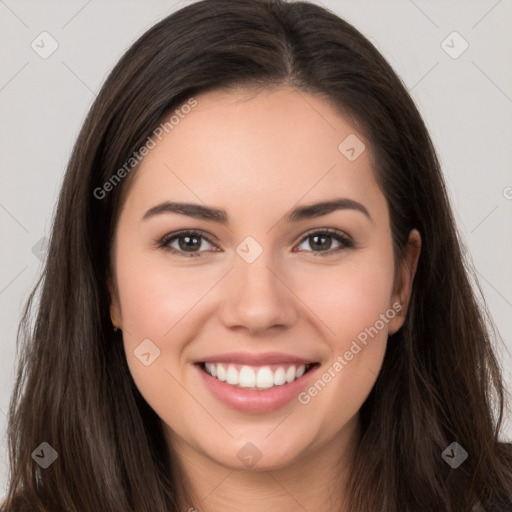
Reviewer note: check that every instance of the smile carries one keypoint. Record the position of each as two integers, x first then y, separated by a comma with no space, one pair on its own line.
256,377
256,389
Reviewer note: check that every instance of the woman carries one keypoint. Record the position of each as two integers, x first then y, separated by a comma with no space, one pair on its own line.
255,297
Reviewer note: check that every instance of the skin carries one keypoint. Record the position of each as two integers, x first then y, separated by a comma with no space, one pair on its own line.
257,156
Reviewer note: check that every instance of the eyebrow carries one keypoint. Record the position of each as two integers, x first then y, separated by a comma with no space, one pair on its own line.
198,211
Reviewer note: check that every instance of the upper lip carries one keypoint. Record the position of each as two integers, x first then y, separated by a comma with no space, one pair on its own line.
255,359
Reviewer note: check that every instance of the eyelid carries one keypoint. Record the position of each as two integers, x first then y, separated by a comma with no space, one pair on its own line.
341,236
166,239
330,231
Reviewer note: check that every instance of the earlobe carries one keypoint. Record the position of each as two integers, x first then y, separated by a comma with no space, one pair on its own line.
404,279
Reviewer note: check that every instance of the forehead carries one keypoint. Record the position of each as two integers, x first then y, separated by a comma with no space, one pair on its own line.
257,149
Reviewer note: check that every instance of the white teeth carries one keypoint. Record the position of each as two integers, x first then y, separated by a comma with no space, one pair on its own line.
279,376
264,378
247,377
300,371
221,372
212,369
250,377
232,376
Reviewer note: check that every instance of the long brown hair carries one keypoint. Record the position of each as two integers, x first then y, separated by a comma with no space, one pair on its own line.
440,381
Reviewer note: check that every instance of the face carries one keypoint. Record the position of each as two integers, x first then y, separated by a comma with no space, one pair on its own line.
289,305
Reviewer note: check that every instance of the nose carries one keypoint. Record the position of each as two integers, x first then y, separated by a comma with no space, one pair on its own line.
258,297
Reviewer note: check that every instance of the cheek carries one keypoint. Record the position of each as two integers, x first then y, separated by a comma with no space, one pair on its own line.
162,302
155,296
349,297
352,300
156,304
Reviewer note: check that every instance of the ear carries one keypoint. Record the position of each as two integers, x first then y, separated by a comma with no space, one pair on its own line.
115,304
404,279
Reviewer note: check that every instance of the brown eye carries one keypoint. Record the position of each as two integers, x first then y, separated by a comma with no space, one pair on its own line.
321,242
185,243
189,243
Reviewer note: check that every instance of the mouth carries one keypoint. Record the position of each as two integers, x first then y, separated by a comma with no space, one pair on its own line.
256,383
256,378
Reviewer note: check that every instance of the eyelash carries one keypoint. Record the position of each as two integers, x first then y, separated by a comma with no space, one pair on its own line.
345,241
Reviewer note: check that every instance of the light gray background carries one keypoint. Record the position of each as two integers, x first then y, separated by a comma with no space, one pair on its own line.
466,103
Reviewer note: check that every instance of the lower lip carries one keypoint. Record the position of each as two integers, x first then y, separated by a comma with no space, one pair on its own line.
255,401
